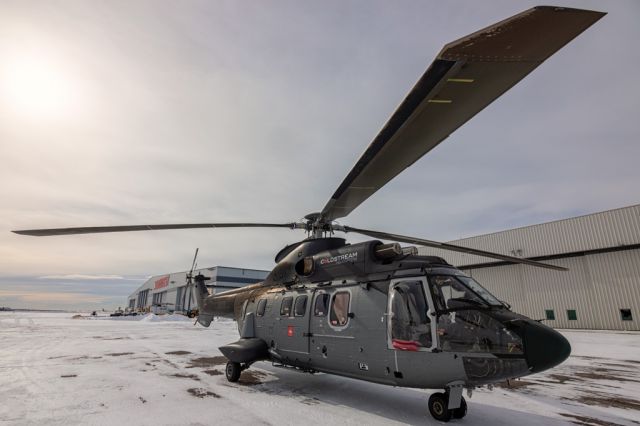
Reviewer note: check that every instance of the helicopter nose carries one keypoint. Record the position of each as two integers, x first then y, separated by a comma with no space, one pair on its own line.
544,347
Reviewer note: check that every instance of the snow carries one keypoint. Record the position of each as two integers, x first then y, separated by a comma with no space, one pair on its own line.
163,370
142,318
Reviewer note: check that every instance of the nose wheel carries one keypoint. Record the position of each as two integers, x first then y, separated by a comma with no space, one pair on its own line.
439,407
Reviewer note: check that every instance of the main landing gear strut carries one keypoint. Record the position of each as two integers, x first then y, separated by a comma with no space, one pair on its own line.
448,405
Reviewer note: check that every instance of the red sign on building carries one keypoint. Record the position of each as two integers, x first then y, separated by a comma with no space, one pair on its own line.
162,282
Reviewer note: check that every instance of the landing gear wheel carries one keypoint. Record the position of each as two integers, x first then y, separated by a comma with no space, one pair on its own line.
438,403
232,371
460,412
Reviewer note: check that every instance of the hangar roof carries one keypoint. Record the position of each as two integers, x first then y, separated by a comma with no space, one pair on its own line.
608,230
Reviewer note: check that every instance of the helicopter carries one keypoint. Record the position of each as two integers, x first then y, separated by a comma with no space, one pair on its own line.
378,311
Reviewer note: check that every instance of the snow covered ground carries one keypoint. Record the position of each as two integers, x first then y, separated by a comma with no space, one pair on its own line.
55,370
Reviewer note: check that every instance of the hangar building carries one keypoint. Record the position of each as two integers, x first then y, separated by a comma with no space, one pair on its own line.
168,292
601,290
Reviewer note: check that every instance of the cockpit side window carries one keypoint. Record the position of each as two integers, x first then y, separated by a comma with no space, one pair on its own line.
479,290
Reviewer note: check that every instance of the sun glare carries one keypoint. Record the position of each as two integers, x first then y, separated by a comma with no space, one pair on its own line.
36,87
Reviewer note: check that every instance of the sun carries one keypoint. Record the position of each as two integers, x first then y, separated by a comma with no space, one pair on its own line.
37,86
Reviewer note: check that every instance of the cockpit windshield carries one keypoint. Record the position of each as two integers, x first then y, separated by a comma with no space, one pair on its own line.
465,321
451,292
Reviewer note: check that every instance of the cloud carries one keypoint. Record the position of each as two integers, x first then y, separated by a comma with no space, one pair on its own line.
63,293
86,277
55,298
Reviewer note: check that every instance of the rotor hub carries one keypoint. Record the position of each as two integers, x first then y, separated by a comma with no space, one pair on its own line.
318,228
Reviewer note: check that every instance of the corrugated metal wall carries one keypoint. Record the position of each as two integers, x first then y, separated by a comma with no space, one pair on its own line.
596,286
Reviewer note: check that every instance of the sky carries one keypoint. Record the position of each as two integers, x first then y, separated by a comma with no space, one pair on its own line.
136,112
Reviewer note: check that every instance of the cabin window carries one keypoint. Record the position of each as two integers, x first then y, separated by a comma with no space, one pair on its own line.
571,315
285,307
322,305
262,305
339,315
550,315
300,306
625,315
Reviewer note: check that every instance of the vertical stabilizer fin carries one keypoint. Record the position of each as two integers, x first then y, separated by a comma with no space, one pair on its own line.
201,293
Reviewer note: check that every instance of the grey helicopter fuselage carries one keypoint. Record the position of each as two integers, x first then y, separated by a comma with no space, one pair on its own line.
375,312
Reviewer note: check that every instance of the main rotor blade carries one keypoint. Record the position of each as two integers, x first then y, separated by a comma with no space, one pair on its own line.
467,75
451,247
129,228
